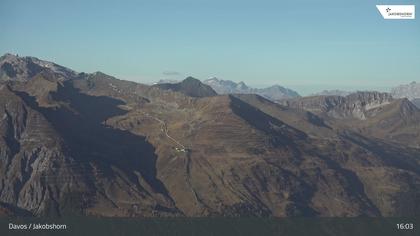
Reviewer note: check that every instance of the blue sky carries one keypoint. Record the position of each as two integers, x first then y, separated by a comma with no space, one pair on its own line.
302,44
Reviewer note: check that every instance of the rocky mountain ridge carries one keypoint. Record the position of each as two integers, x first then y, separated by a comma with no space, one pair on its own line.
13,67
355,105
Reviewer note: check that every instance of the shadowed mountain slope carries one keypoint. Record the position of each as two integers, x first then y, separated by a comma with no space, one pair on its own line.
190,87
77,170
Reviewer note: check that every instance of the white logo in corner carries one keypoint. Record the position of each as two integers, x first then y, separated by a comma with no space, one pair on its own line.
397,12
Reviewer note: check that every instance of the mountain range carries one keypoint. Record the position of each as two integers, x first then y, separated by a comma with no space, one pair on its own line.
90,144
410,91
335,92
274,93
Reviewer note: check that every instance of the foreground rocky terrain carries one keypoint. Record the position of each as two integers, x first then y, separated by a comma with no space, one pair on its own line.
90,144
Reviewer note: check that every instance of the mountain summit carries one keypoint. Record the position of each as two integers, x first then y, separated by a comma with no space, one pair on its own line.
13,67
189,86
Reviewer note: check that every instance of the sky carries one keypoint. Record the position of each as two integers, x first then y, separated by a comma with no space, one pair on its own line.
305,45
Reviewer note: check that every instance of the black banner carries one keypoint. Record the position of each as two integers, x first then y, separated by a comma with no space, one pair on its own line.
210,226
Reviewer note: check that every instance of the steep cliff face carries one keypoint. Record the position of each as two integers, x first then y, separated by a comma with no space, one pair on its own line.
28,143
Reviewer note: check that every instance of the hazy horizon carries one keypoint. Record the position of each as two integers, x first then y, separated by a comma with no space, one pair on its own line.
302,45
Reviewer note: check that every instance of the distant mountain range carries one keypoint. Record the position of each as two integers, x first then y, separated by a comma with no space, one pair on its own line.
167,81
334,92
410,91
90,144
274,93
